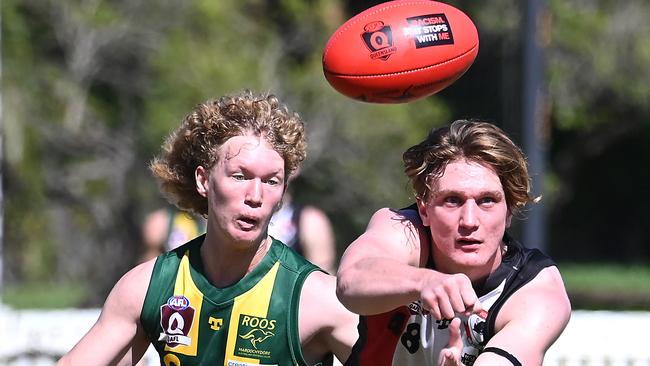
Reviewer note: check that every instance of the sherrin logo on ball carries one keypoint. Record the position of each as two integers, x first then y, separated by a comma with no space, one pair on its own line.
400,51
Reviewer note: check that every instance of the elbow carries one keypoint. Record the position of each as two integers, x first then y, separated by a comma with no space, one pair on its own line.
343,290
346,291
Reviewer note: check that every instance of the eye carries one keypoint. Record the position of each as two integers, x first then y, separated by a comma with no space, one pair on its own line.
273,182
452,201
487,201
238,176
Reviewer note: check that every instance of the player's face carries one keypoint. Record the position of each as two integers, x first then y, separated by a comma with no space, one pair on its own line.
244,188
467,214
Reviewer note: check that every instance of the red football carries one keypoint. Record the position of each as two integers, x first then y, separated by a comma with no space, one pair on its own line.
400,51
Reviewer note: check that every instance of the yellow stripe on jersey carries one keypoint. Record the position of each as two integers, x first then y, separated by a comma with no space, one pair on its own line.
186,287
255,302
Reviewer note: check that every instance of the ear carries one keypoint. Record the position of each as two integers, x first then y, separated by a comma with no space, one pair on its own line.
422,210
202,178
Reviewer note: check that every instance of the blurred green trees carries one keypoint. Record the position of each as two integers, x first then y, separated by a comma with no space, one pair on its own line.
90,89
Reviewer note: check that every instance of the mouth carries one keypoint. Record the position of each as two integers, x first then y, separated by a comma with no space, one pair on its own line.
468,241
468,244
247,223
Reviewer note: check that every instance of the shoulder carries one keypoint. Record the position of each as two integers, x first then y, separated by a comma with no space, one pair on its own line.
137,279
543,296
318,284
397,222
290,259
535,315
318,298
547,285
127,296
394,233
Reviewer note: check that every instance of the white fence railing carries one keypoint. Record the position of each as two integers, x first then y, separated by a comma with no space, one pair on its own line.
592,338
603,338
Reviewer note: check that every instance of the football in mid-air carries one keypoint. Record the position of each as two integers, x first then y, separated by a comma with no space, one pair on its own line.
400,51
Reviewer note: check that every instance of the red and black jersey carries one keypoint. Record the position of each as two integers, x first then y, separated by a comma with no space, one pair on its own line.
408,335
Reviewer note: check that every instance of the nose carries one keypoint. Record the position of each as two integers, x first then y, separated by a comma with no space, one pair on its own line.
469,215
254,193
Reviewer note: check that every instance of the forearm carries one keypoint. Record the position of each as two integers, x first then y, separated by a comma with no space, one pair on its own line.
376,285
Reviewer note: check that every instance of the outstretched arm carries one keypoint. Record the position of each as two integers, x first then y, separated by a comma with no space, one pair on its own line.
116,337
526,327
383,269
530,321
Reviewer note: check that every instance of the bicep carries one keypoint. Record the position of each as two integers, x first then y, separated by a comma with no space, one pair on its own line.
531,320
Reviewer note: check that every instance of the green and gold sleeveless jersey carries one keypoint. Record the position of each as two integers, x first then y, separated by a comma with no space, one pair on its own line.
253,322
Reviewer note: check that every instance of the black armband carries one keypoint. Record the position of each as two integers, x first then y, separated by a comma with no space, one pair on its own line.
503,354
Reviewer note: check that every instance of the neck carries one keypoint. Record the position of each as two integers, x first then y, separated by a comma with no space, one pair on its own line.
225,265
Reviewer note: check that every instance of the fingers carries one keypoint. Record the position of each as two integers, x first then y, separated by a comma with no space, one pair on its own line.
445,296
447,358
450,356
455,339
476,308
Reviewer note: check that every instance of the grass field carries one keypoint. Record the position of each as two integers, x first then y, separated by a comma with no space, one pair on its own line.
607,286
42,296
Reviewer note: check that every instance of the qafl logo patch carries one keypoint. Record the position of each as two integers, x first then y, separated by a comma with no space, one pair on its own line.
378,37
176,318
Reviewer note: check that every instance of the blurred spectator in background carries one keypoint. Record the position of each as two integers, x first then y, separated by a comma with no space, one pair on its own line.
168,228
307,230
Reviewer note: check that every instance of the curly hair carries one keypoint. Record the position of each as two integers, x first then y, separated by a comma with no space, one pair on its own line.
475,140
195,142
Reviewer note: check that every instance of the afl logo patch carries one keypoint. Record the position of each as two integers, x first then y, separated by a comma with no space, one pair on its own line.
178,303
176,318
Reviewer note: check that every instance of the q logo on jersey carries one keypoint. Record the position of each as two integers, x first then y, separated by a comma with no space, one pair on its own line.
378,37
176,318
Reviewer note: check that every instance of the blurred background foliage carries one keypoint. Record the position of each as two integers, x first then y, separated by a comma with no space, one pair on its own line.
90,88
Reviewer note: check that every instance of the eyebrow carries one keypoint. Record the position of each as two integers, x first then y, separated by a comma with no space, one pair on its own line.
452,192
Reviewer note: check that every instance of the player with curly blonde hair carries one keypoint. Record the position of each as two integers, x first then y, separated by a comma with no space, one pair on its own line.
235,295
